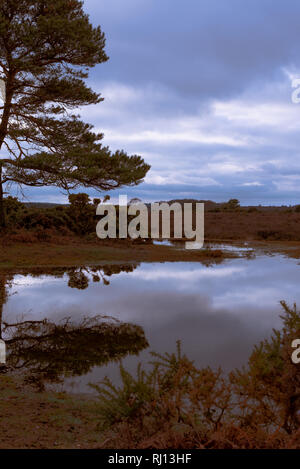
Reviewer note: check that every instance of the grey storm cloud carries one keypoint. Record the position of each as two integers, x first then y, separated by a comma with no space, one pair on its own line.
201,48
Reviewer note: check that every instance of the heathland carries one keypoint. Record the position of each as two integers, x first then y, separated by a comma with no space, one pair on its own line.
64,235
174,404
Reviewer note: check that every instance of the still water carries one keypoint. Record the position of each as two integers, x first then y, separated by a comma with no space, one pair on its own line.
218,312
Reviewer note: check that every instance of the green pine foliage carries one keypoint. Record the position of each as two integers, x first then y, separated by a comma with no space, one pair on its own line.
46,51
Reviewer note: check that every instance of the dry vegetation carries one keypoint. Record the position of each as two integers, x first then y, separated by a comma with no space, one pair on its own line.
259,224
65,235
75,252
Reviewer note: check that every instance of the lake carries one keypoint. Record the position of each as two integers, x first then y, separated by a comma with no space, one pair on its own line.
218,312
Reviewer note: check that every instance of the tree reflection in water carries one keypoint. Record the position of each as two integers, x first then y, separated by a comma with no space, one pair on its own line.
80,277
48,352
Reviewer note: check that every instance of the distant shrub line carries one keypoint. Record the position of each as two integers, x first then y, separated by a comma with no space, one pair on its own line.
228,221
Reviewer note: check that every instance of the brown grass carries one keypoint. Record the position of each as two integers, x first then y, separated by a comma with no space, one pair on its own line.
46,420
270,225
81,252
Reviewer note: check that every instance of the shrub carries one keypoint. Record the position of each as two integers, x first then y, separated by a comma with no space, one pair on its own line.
82,214
270,234
13,210
176,405
231,205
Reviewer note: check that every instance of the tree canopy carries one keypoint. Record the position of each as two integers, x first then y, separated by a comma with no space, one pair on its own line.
46,51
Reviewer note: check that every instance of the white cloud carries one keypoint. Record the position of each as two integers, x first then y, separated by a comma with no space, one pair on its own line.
182,178
282,116
252,184
243,142
191,275
166,138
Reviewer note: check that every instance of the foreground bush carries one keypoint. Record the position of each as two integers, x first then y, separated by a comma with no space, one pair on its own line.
177,405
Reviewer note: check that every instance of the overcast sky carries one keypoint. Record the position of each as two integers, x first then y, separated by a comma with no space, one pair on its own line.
202,90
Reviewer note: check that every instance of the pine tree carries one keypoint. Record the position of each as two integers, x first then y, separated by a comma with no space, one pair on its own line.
46,51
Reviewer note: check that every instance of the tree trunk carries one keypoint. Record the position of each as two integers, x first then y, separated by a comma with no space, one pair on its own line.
2,211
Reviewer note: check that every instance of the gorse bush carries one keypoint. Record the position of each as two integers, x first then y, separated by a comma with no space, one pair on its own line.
268,389
127,402
78,218
172,396
43,224
175,404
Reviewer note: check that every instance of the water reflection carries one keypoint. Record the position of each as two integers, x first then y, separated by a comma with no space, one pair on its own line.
50,351
5,282
237,248
218,312
80,277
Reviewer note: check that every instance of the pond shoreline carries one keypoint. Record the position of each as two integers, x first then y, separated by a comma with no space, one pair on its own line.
18,255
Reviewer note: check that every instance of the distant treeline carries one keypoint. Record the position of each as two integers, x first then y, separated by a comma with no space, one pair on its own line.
31,222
